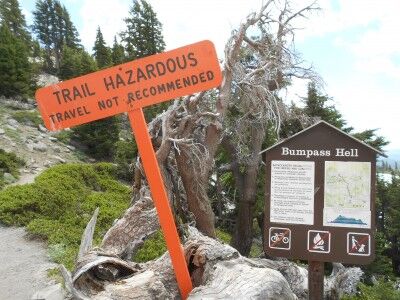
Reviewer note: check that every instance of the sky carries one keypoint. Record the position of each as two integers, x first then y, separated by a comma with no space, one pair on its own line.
353,44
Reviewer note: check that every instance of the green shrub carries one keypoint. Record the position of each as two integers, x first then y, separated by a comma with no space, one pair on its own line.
9,163
125,155
223,236
63,136
383,290
152,248
28,117
98,137
58,205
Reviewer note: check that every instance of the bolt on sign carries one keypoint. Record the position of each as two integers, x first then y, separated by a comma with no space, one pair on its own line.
320,190
128,88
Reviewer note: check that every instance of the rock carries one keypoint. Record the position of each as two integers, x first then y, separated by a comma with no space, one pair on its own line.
61,160
39,146
12,122
30,147
11,127
45,79
53,139
72,148
47,164
2,131
12,103
42,128
9,178
13,144
57,149
53,292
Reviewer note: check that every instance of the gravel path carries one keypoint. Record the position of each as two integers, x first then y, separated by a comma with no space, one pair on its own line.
23,265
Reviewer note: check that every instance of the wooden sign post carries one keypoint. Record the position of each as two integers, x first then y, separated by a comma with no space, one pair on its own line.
128,88
320,200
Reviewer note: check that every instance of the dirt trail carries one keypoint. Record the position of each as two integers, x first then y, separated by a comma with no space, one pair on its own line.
23,265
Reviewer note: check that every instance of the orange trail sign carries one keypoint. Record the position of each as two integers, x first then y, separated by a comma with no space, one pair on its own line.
132,85
128,88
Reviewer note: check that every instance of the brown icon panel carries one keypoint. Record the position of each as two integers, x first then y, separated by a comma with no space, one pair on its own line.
319,241
280,238
358,244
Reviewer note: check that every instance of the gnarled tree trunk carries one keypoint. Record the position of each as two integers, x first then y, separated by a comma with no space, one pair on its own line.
217,270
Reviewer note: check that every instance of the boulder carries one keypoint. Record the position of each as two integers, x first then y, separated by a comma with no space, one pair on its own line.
42,128
12,122
9,178
39,146
53,292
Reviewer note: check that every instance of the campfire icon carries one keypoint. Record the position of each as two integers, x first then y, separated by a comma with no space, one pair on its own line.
319,241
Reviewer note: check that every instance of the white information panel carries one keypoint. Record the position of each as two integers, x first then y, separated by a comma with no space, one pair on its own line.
292,192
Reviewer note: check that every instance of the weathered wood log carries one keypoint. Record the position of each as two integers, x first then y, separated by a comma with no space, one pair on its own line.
217,270
129,233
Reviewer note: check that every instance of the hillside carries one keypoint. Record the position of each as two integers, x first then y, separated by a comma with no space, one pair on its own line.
22,132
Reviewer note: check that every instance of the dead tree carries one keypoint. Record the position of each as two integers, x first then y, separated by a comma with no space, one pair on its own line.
234,117
217,270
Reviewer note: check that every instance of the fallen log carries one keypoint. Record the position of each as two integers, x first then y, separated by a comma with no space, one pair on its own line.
217,270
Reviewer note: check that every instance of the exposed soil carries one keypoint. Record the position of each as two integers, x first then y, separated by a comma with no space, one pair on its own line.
24,265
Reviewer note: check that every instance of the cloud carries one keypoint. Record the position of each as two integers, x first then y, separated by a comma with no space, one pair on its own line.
107,14
364,30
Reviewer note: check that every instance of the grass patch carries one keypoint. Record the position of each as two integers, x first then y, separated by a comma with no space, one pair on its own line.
382,290
13,134
9,163
256,250
55,274
151,249
223,236
28,117
63,136
58,205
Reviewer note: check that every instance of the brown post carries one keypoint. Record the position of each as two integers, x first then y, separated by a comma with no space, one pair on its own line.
315,280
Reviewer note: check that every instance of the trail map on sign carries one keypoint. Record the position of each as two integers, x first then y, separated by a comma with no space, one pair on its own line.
347,194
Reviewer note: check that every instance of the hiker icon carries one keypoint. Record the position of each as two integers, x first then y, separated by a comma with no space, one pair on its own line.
279,238
358,244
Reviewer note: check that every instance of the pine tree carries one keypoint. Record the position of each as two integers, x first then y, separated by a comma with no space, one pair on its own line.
11,15
42,28
15,69
71,35
99,137
316,106
118,53
75,62
101,52
54,29
143,35
71,64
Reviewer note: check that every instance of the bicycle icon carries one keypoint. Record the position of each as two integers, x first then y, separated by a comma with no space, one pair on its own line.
279,238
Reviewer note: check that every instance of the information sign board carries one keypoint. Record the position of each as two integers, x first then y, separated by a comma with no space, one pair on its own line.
320,188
